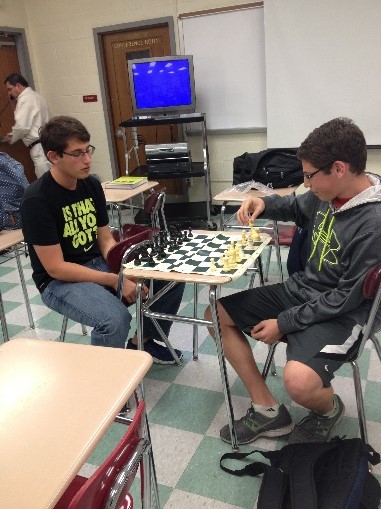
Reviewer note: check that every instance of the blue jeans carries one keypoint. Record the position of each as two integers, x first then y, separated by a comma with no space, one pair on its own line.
98,307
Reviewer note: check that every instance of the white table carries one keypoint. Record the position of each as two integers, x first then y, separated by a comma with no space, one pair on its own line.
12,239
118,198
213,281
56,402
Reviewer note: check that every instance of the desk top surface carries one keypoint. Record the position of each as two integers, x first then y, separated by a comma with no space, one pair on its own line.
120,195
56,402
237,196
9,238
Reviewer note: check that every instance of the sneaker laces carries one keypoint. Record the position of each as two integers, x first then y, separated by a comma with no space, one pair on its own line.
309,424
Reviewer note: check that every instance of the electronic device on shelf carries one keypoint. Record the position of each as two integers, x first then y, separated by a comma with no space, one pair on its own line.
162,85
168,158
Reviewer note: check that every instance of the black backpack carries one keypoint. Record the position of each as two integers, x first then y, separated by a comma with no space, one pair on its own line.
332,475
273,167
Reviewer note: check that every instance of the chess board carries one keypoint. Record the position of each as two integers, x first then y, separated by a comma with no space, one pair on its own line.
195,255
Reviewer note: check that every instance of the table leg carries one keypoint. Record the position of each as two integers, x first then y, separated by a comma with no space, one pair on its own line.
3,320
222,216
277,250
23,286
222,363
139,314
195,327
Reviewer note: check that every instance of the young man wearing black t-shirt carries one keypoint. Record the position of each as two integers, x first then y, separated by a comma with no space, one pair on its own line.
65,223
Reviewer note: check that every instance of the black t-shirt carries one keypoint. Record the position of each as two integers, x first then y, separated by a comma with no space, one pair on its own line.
52,214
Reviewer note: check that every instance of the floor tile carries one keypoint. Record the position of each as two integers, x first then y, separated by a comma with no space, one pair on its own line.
186,408
202,478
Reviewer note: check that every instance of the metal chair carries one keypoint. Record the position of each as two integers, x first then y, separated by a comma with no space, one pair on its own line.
371,291
108,487
154,206
120,254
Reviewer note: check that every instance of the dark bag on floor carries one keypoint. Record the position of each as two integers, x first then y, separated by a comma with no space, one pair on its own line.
332,475
273,167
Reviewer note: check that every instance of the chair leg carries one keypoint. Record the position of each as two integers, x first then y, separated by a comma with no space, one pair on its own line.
269,362
63,328
359,401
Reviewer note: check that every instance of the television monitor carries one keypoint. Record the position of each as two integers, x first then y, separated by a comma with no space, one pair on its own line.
162,85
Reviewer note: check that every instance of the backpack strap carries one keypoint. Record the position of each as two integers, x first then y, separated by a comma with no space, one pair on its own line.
274,484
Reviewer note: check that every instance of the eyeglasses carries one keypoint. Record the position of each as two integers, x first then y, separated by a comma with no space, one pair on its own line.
80,153
309,176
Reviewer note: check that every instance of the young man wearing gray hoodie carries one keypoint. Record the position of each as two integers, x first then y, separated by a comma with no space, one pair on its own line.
320,311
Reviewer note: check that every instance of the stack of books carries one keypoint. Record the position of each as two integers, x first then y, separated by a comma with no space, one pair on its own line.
126,182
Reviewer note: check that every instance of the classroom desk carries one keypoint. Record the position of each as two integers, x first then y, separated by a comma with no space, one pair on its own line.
237,197
117,198
11,239
56,402
213,281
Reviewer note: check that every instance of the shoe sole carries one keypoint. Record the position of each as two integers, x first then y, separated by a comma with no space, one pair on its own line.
166,363
270,433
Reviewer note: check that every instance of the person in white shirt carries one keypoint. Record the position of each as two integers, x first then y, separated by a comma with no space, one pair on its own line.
31,113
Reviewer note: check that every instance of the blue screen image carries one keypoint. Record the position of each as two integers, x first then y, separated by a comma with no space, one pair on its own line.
162,84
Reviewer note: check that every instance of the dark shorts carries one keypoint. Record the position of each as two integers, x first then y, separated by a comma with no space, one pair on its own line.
322,346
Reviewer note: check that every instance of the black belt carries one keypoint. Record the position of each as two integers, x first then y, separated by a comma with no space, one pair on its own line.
34,143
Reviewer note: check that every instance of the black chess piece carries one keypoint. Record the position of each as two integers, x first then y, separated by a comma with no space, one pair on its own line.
151,262
190,234
137,260
161,254
144,257
155,246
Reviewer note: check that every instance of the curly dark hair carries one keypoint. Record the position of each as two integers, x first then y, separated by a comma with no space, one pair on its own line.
56,134
339,139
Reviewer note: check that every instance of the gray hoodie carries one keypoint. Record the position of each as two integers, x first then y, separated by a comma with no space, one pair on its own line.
343,245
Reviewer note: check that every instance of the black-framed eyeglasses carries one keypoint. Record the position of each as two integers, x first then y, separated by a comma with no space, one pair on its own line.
81,153
309,176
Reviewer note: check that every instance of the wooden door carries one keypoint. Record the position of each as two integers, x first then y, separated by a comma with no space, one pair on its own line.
118,48
9,63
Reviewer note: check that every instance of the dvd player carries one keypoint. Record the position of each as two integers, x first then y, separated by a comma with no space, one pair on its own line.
168,167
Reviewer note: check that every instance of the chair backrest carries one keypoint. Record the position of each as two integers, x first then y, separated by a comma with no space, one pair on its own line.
154,205
115,254
96,491
372,291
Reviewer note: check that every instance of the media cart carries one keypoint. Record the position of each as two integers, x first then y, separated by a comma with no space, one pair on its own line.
189,210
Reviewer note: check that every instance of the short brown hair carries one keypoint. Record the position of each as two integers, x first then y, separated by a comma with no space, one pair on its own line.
339,139
56,133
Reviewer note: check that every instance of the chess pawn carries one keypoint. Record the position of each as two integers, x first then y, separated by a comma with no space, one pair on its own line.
226,262
238,254
244,238
255,235
250,244
213,267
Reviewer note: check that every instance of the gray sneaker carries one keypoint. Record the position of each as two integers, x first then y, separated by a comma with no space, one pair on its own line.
254,425
315,427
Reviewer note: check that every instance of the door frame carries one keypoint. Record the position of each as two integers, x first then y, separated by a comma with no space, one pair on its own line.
22,51
122,27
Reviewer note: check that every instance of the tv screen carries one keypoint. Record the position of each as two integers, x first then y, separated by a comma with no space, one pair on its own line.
162,85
